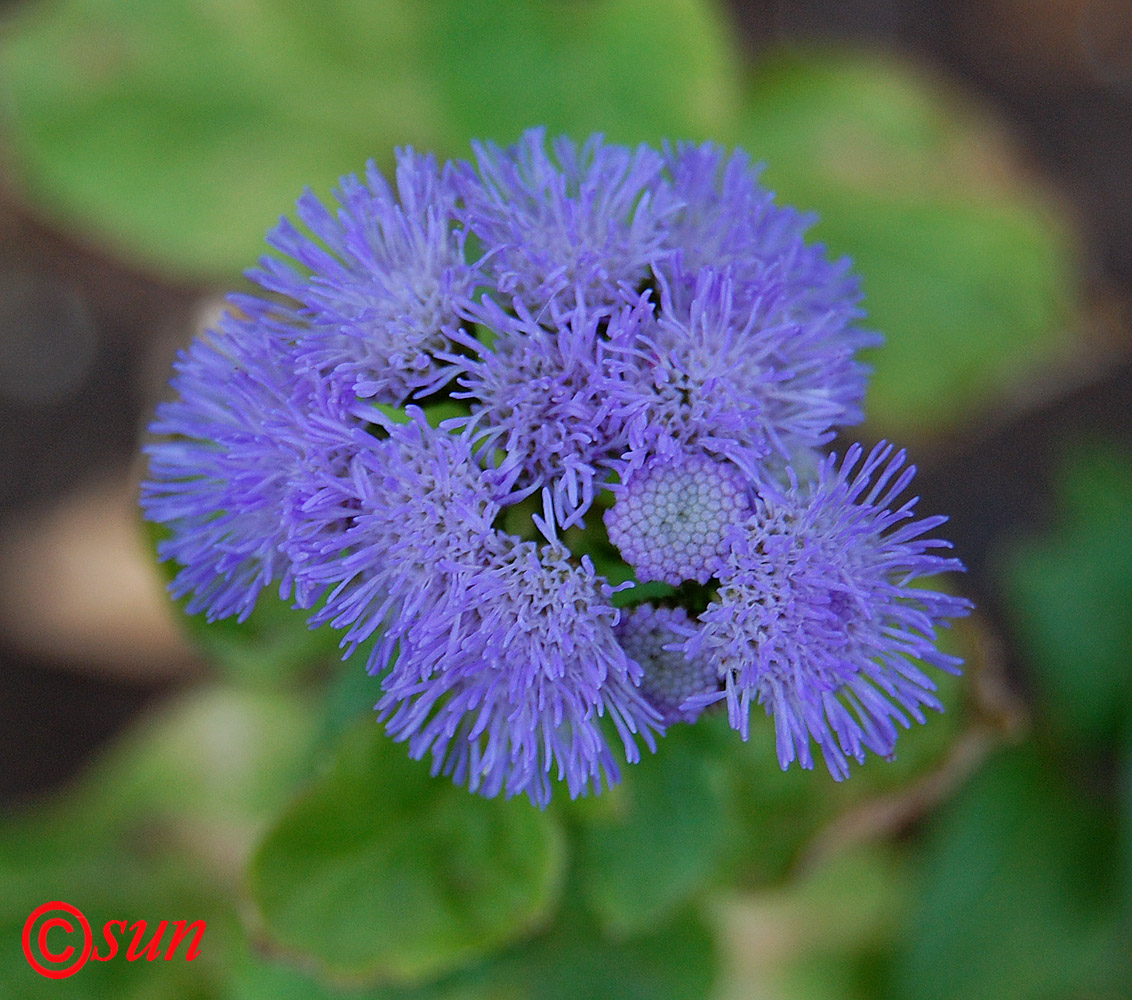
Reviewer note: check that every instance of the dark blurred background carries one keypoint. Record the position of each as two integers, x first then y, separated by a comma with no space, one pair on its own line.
86,336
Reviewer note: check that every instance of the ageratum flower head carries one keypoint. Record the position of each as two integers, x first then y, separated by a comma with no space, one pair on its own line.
466,401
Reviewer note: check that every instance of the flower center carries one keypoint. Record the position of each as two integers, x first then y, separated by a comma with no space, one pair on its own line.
670,517
670,677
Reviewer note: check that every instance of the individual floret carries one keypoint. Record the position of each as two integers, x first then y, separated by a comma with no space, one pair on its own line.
381,282
817,616
729,221
395,534
748,382
580,221
237,453
506,685
543,405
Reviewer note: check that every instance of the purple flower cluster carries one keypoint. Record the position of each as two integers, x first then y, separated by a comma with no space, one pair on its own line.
454,387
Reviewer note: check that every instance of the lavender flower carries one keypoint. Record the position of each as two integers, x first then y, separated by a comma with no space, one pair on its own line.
817,618
747,382
586,221
393,535
241,439
544,400
379,297
646,334
505,684
729,222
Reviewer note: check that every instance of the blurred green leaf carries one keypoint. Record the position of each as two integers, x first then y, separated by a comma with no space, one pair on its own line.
1122,943
571,960
382,871
255,975
350,696
781,812
637,70
673,962
965,271
1014,900
158,828
575,961
220,755
660,839
111,881
821,936
273,647
1070,593
181,130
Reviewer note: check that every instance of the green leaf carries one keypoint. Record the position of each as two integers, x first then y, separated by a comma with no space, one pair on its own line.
114,880
673,962
273,647
181,130
658,842
217,756
254,975
967,274
1016,891
780,813
576,961
156,829
350,696
1069,593
381,871
572,960
637,70
1122,941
